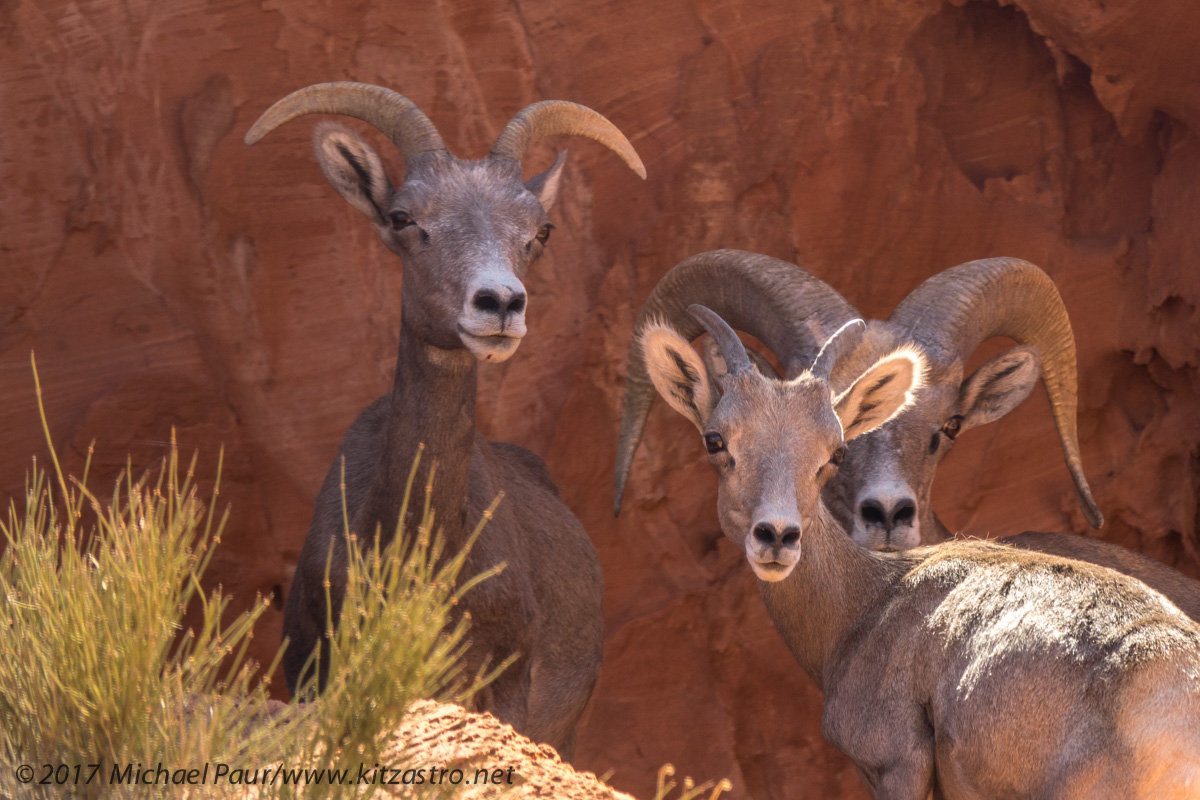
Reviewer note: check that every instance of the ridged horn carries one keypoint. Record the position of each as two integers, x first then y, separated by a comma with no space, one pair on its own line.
953,312
782,305
392,113
554,117
732,349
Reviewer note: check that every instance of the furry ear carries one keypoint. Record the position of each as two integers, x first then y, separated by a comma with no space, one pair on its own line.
884,390
678,373
545,186
353,168
998,386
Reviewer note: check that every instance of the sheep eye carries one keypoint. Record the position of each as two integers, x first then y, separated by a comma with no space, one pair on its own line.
838,455
713,442
543,234
952,426
400,219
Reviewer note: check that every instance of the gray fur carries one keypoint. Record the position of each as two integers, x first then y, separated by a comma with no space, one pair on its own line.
467,231
966,669
900,460
881,493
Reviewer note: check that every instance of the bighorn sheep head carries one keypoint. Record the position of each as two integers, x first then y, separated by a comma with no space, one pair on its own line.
882,495
774,443
881,492
466,230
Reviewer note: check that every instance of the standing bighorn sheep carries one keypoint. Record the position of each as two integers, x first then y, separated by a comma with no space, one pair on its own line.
966,669
467,231
881,492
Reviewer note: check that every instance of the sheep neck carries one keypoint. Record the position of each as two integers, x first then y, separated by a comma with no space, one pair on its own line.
432,403
830,588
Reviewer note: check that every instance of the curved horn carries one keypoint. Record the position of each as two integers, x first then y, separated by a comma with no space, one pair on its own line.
393,114
781,304
551,117
843,341
953,312
731,346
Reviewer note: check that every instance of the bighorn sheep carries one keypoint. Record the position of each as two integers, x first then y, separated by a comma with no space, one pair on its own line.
467,231
965,669
881,491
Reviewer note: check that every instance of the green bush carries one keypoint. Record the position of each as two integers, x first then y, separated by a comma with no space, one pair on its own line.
97,666
94,668
392,645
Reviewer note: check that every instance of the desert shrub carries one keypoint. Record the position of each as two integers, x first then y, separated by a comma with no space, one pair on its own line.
689,790
96,666
395,642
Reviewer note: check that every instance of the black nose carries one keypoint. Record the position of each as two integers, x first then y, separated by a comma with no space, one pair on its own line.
768,534
491,302
902,512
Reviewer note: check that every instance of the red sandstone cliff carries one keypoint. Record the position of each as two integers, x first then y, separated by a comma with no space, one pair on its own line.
169,276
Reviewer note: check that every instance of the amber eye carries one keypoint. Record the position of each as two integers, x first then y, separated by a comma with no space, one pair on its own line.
838,455
543,234
713,442
952,425
400,219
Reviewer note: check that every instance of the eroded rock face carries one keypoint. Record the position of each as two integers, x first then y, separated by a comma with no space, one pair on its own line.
168,276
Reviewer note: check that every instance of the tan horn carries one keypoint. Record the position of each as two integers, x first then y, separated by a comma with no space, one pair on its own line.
953,312
559,117
392,113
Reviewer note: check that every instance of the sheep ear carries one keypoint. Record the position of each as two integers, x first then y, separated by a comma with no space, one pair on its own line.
678,373
998,386
545,186
880,393
353,168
